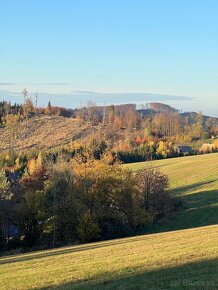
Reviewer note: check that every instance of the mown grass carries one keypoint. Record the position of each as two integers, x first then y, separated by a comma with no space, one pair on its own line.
184,259
157,261
195,180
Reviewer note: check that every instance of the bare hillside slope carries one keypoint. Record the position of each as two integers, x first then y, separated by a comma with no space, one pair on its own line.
52,131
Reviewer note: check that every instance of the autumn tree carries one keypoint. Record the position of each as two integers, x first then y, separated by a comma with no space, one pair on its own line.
131,118
111,114
28,106
35,164
61,202
32,205
12,122
168,123
197,129
153,188
210,126
107,193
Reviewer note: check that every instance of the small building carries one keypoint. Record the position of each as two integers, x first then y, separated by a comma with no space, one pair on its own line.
184,149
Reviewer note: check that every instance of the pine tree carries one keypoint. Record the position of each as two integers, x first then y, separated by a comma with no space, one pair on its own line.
49,105
5,197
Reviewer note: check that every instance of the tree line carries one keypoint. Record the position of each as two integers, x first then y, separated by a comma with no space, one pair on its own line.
58,202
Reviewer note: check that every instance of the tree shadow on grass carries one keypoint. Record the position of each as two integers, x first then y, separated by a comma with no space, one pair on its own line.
191,187
196,275
200,209
142,165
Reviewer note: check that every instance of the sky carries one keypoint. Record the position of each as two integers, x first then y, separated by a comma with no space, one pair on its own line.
115,51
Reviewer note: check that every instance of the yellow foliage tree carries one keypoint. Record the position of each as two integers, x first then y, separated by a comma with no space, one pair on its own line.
35,164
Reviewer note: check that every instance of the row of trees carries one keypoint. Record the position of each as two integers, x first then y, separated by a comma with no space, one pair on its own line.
29,108
82,200
185,127
136,150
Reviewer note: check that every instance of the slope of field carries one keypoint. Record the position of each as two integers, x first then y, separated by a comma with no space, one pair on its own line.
174,260
195,180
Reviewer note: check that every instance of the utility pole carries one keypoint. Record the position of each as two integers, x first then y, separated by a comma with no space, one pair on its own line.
36,101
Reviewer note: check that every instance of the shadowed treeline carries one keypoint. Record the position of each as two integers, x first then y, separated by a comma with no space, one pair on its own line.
192,187
199,209
68,250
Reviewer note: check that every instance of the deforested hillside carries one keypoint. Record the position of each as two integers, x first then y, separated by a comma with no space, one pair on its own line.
137,133
131,135
43,131
52,131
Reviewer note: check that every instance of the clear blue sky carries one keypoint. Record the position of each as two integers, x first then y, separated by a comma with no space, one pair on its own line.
57,47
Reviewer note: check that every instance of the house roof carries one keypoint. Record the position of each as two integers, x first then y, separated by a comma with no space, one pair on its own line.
184,148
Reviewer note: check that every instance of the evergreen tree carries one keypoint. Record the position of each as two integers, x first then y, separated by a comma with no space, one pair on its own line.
5,198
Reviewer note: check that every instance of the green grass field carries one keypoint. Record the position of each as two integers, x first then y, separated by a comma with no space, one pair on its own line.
195,180
168,259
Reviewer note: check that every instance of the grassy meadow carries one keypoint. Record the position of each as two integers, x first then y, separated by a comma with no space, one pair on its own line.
195,180
181,253
157,261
